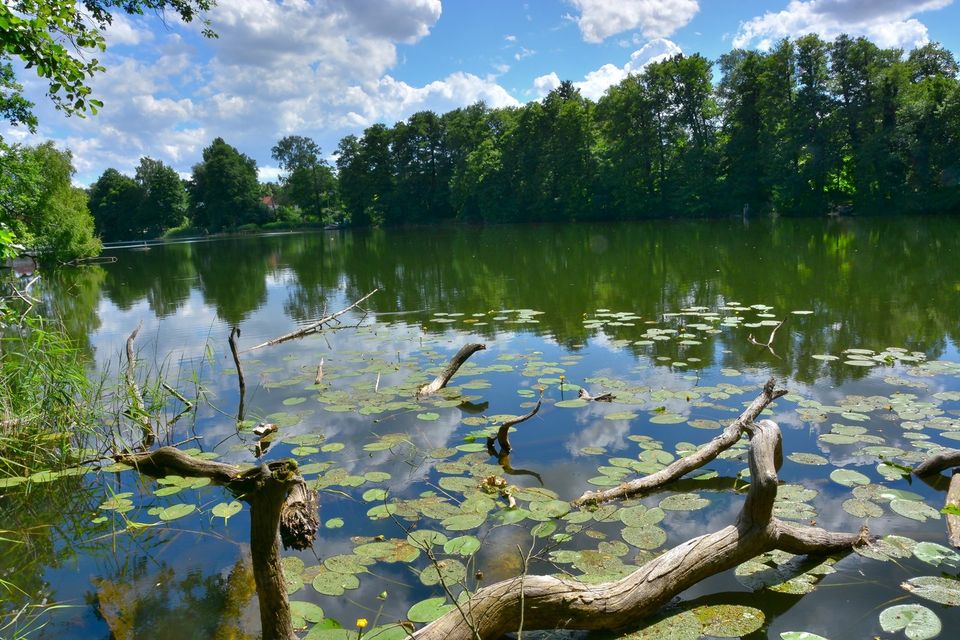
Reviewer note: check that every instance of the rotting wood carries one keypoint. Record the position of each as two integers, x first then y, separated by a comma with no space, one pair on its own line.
313,328
451,369
547,602
139,410
279,500
695,460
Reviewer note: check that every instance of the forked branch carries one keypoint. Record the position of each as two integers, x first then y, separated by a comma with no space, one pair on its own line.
686,464
547,602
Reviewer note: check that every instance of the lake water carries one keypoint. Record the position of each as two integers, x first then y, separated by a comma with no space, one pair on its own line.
665,315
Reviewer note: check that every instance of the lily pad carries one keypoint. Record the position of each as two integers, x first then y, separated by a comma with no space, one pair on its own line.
176,511
943,590
916,621
728,620
848,477
684,502
226,509
428,610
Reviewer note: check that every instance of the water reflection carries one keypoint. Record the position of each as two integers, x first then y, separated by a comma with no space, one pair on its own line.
878,283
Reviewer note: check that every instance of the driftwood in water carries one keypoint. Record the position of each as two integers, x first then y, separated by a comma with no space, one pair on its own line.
451,369
769,342
234,334
953,500
938,462
503,431
278,499
933,465
583,394
139,410
546,602
695,460
313,328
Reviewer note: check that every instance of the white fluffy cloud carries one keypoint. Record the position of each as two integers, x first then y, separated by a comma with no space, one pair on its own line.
889,23
600,19
309,67
596,82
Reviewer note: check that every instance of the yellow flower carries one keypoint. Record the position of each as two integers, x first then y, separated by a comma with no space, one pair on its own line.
361,623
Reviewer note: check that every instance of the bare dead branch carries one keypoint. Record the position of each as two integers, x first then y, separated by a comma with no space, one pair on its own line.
695,460
547,602
313,328
451,369
769,344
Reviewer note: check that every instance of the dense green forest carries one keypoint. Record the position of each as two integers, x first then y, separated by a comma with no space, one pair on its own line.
807,128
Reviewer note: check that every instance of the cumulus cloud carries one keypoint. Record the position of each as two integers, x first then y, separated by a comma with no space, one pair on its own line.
598,81
889,23
321,68
600,19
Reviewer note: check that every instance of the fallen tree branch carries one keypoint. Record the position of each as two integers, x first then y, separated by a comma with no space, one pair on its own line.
313,328
504,429
451,369
546,602
695,460
278,499
933,465
938,462
769,343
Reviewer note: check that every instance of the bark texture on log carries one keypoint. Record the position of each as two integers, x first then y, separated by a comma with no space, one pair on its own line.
686,464
953,500
451,369
545,602
278,499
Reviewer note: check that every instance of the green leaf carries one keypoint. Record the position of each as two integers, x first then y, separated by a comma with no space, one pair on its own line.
943,590
226,509
428,610
915,620
176,511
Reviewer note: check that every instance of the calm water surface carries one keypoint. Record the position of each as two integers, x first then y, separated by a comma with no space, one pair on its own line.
660,314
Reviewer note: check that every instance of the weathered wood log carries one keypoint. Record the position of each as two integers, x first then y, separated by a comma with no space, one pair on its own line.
953,500
689,463
933,465
278,499
451,369
937,462
313,328
545,602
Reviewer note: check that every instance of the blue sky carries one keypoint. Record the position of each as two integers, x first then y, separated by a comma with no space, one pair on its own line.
327,68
